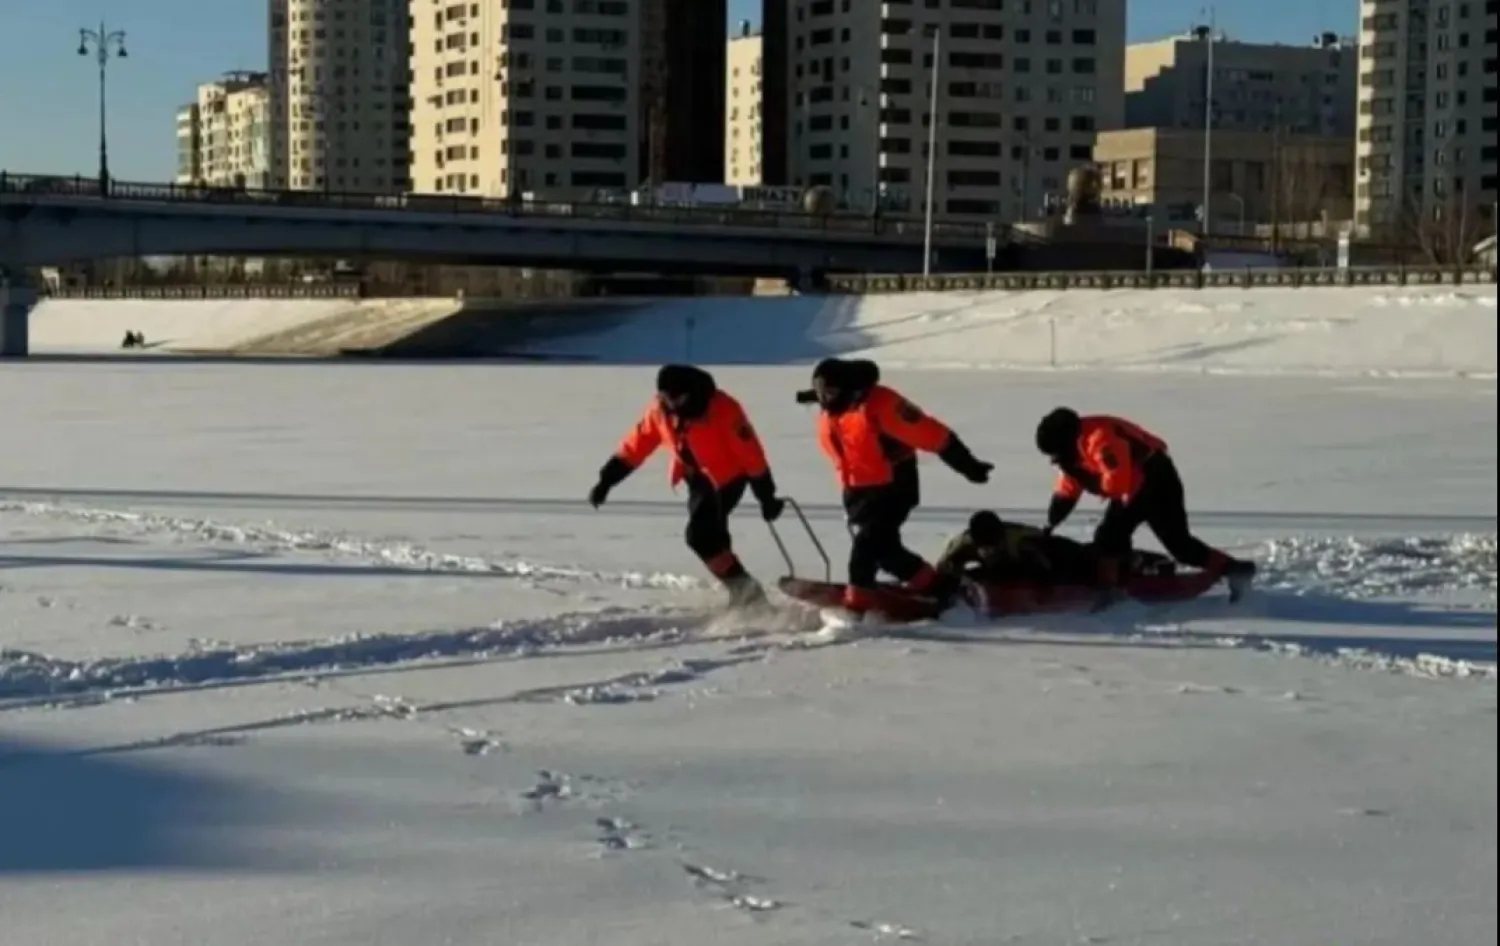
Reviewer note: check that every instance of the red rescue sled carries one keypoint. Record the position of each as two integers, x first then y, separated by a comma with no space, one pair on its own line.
994,600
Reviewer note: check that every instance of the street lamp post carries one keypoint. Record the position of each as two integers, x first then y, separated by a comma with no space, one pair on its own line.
870,98
937,67
104,42
1208,126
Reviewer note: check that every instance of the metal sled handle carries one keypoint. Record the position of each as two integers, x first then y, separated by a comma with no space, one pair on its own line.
791,567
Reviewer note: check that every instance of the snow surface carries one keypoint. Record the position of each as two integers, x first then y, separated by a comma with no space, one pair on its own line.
1433,331
336,655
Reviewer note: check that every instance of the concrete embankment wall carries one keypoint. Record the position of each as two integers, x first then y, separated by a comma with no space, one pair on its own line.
1427,331
423,327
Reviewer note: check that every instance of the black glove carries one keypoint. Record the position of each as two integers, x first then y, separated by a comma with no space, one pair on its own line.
764,488
964,463
611,474
1058,511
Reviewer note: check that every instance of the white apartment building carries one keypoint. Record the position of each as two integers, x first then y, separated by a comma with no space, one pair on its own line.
742,114
1427,134
1022,88
517,96
340,95
223,139
1301,90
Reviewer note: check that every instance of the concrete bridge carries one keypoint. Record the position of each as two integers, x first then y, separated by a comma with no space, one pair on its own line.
48,221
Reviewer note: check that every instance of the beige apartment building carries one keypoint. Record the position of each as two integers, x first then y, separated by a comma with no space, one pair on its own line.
515,97
1257,177
1022,89
223,138
1304,90
340,96
1427,118
742,113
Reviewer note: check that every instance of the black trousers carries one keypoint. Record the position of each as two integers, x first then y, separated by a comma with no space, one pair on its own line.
708,515
1161,505
876,515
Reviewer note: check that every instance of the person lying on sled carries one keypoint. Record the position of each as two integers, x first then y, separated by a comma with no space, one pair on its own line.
992,550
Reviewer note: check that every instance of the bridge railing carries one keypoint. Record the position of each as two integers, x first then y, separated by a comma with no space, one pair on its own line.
255,290
876,283
900,226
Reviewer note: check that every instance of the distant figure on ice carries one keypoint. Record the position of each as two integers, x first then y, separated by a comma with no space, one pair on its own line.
1132,469
716,450
871,435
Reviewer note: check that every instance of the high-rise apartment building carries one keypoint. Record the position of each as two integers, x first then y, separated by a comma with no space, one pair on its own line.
689,147
340,95
517,97
1427,117
1302,90
1023,86
565,97
742,116
223,139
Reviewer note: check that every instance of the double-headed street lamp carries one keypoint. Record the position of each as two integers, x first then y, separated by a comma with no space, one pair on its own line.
104,42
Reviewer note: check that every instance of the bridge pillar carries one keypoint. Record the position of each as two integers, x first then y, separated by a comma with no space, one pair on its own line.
807,280
17,296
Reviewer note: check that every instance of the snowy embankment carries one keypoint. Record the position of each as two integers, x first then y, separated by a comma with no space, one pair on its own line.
1441,331
1429,331
239,326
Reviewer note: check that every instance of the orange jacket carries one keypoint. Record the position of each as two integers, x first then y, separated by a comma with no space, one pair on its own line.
864,442
721,445
1111,452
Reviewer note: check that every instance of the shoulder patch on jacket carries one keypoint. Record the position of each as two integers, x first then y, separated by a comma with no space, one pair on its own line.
744,431
909,412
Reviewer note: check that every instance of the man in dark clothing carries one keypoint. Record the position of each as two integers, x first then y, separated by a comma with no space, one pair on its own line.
1133,469
871,435
715,450
993,550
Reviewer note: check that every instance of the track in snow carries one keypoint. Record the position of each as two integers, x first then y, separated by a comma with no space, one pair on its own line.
1313,580
1305,522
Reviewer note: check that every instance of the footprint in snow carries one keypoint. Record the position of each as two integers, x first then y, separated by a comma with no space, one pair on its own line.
618,834
724,884
475,741
892,930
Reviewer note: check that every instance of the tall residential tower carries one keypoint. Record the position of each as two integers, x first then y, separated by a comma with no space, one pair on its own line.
568,99
1427,117
1022,88
340,95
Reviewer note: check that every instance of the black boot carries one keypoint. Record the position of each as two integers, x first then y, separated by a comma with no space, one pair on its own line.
1239,574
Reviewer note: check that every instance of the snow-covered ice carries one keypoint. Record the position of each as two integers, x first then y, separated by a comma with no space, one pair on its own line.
337,654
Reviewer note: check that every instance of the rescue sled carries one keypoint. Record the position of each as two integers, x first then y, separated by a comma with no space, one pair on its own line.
1002,599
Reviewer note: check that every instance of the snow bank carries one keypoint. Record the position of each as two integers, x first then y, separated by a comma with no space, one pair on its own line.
92,326
1438,331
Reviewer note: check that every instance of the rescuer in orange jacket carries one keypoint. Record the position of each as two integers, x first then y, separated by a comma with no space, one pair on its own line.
716,451
1131,468
871,435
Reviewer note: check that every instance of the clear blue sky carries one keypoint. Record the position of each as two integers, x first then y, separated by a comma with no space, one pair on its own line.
49,94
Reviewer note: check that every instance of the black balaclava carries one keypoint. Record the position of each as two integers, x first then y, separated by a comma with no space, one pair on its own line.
985,528
685,390
1057,435
840,385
